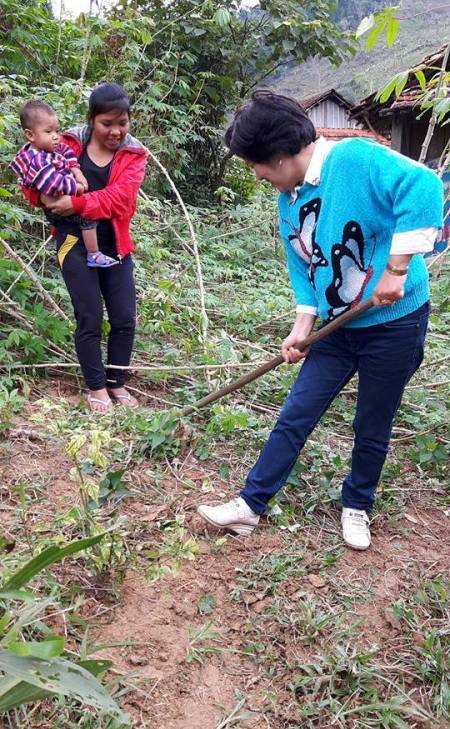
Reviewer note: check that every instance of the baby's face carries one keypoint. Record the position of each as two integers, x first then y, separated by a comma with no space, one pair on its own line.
44,135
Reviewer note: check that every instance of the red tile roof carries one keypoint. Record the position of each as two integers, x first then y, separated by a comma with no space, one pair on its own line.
347,133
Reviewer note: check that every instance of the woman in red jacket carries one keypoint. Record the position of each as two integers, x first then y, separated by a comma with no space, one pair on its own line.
113,163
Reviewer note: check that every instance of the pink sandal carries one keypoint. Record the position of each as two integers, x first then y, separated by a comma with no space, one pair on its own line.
124,399
107,404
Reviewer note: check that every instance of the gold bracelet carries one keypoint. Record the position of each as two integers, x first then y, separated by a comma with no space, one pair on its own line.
396,271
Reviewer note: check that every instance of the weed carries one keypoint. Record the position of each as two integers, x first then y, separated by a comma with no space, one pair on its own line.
266,573
11,402
306,619
430,454
158,435
176,548
196,651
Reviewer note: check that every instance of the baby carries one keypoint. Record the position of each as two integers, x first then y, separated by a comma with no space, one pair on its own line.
51,167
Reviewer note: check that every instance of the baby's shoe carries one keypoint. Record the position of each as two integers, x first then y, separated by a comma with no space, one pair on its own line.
99,260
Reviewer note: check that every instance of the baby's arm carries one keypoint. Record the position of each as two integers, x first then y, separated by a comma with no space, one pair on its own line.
82,183
72,161
51,182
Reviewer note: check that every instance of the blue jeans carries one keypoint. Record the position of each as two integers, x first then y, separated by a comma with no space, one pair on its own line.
385,356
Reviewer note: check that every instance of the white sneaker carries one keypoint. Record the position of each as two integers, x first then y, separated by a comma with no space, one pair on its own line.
235,515
355,528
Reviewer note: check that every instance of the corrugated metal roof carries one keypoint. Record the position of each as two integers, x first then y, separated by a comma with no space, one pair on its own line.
309,101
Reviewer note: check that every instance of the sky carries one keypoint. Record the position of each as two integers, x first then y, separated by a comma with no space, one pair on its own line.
74,7
71,7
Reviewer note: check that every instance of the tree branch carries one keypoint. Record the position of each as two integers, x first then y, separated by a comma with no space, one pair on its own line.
434,116
32,276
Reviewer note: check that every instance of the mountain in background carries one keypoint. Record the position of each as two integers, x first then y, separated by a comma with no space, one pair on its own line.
349,13
424,28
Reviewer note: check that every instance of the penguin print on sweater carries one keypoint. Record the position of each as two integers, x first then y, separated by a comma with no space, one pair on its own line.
303,240
350,273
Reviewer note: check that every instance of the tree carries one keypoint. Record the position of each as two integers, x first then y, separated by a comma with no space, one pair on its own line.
32,41
199,61
187,65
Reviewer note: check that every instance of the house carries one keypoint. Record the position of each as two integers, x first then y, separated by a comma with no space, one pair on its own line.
401,119
330,114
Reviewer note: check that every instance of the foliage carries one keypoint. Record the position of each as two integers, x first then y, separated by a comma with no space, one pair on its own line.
34,45
52,676
46,558
11,401
178,547
434,87
210,63
385,21
158,433
185,65
197,649
429,453
34,668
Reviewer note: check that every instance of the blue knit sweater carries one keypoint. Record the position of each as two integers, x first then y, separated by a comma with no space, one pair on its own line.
338,233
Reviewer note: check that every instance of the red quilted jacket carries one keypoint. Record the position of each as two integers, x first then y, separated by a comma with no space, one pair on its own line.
117,201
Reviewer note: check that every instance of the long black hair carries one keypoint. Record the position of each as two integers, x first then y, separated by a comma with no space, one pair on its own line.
106,97
268,127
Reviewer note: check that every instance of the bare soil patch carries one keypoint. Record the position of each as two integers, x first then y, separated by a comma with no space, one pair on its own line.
252,646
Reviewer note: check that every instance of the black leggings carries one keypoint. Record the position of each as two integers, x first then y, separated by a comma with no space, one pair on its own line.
87,287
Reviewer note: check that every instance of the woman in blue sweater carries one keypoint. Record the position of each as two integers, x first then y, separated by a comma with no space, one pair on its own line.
355,219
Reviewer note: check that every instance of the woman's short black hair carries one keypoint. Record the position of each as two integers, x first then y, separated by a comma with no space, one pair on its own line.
106,97
268,127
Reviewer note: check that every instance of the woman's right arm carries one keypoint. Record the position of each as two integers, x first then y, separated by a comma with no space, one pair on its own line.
302,328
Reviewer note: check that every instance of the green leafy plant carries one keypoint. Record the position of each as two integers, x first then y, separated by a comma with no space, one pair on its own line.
430,454
47,557
111,489
11,402
177,548
158,434
198,649
35,669
206,604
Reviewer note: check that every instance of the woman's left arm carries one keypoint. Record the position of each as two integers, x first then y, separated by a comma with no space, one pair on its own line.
112,201
116,199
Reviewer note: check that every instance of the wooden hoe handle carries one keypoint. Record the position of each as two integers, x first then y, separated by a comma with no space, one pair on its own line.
276,361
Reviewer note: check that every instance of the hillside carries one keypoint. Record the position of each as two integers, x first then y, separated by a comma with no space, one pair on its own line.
363,73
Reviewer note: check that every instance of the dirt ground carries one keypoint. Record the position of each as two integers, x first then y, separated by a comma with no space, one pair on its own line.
193,667
189,696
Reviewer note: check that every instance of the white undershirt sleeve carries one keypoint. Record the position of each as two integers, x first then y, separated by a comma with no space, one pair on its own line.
421,240
303,309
